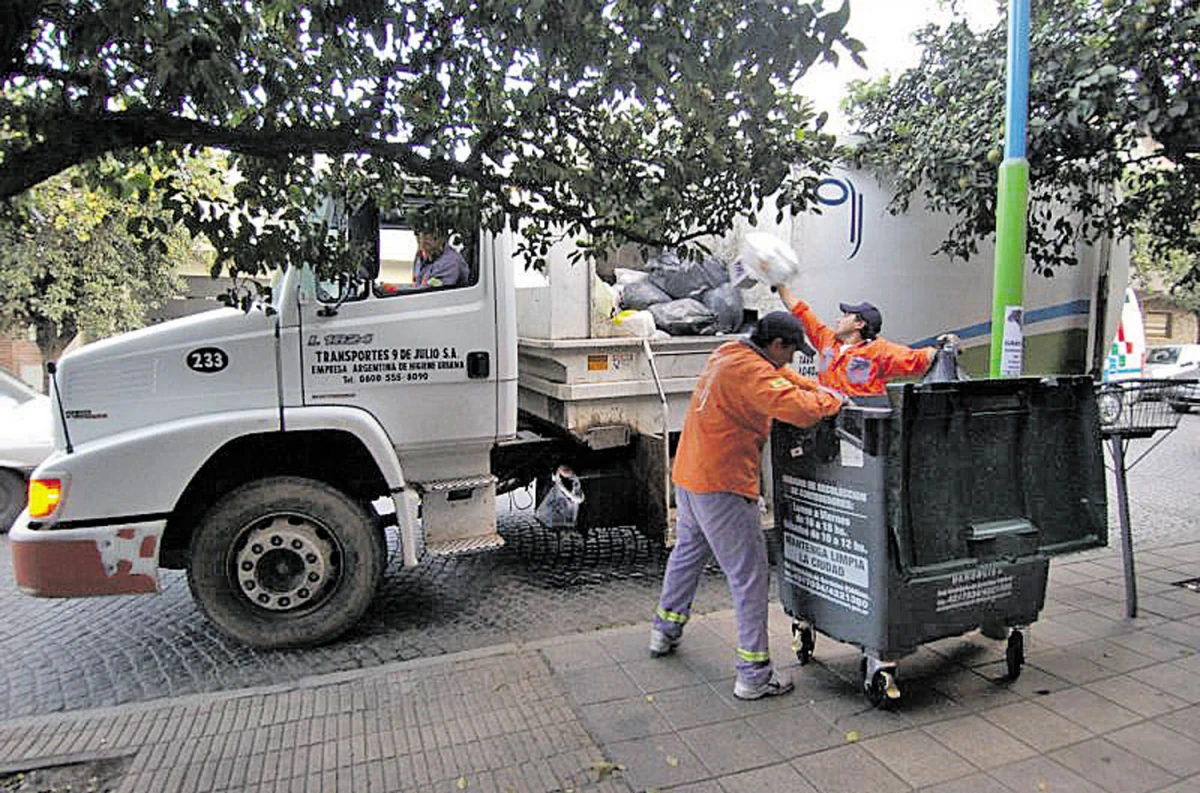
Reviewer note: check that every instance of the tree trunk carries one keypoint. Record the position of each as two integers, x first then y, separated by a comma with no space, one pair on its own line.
51,341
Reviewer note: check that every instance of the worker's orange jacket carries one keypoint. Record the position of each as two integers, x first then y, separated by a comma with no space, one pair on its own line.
730,415
859,369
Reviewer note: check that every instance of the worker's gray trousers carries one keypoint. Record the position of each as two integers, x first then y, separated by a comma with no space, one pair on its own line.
727,526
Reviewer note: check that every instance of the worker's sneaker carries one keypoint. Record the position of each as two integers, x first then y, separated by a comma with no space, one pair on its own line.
661,644
777,685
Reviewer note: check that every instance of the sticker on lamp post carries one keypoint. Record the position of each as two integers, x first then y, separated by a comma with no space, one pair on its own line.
1014,342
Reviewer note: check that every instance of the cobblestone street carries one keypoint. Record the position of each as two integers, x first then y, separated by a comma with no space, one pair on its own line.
62,655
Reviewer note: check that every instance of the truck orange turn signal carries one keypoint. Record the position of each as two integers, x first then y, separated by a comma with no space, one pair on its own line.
44,495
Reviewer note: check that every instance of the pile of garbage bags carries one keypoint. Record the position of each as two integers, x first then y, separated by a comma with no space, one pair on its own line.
675,296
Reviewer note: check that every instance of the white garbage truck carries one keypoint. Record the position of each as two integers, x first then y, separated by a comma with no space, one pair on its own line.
268,451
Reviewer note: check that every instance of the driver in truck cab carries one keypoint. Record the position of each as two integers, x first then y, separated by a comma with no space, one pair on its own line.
436,263
745,385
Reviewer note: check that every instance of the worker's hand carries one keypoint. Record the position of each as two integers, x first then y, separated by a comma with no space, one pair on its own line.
950,340
845,400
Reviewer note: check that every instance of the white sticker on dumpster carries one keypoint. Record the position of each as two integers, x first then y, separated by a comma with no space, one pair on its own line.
985,584
828,589
851,455
848,567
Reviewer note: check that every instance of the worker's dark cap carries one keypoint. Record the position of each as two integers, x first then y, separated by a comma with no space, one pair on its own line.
867,312
780,325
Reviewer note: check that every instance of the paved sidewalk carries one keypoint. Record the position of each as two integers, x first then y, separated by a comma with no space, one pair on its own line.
1104,704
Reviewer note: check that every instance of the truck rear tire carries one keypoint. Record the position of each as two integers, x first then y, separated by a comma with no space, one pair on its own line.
285,562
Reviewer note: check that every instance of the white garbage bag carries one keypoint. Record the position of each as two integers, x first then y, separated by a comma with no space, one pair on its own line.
560,506
768,259
638,324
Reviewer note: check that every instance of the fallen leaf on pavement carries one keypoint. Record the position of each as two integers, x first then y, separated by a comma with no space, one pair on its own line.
603,768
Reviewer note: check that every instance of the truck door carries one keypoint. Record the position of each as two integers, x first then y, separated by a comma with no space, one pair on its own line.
420,357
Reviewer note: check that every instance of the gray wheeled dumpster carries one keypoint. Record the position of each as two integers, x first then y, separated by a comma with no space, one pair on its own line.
935,515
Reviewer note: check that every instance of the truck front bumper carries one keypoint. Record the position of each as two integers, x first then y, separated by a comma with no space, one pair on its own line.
117,559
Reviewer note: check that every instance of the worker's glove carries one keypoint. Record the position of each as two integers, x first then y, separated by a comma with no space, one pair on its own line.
951,341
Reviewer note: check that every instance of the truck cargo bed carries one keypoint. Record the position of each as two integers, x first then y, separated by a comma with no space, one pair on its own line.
584,384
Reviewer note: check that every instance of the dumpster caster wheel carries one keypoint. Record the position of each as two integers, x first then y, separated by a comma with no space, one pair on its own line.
1014,655
882,691
881,688
804,640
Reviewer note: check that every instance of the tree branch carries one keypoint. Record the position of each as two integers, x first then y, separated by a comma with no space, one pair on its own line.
78,138
70,139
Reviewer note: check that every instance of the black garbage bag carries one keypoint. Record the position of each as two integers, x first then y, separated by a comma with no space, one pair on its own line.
680,278
726,302
640,295
686,317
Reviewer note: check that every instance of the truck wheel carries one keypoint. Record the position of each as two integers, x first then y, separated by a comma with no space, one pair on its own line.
285,562
12,498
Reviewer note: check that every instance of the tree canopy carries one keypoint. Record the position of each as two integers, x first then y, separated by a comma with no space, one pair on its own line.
652,121
86,261
1114,127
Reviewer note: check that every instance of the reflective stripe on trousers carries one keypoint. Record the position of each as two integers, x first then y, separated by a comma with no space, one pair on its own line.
727,526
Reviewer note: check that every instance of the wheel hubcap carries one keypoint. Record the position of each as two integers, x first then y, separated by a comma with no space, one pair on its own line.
286,562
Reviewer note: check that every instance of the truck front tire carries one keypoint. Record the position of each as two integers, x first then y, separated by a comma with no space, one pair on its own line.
285,562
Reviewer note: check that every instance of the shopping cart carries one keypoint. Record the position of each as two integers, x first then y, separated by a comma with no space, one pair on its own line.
1139,408
1135,410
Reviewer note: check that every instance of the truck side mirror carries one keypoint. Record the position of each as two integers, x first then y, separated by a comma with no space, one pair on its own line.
364,239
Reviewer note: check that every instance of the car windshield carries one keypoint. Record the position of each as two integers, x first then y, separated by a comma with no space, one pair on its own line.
1163,355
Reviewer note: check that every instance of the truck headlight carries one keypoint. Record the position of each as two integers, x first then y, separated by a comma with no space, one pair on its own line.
44,495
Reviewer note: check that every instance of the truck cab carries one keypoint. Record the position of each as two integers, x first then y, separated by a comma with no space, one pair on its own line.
266,450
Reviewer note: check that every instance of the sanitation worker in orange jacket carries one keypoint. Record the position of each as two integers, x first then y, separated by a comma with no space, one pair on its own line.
851,357
744,386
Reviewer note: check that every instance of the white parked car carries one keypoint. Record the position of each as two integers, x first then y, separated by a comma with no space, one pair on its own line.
26,438
1176,362
1173,361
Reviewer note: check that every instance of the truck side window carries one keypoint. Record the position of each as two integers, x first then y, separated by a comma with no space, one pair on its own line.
423,260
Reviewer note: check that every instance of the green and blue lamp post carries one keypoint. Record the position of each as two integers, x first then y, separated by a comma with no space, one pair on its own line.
1011,205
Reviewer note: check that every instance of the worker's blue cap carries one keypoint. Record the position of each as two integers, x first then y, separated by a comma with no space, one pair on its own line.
867,312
